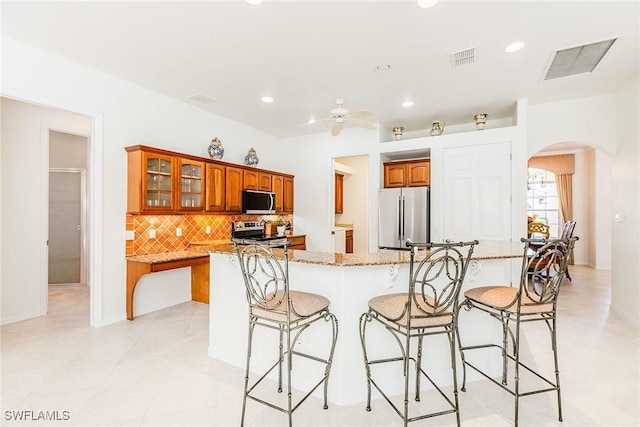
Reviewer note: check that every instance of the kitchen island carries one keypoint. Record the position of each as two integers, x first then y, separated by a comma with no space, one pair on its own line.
349,281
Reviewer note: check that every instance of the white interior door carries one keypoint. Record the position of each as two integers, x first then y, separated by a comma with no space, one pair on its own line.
477,192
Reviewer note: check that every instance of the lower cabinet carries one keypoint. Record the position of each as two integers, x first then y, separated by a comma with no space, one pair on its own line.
348,241
298,242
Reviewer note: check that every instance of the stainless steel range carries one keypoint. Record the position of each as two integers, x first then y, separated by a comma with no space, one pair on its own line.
254,231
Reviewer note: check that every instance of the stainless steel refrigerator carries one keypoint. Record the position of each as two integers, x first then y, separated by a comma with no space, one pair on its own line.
403,213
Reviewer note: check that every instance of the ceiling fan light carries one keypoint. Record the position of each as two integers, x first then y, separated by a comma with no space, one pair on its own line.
426,4
407,103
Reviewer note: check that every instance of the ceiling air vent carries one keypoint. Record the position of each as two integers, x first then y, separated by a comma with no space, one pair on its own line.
463,57
202,98
577,60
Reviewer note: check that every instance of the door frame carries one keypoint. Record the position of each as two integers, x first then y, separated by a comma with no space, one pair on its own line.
83,218
94,208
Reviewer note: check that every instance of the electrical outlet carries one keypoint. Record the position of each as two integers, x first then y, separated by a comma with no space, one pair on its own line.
129,235
152,234
207,230
178,231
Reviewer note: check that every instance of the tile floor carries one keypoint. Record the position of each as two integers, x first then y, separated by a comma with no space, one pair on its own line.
154,371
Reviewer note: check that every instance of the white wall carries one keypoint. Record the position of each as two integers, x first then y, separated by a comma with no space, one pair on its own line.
625,297
130,115
600,205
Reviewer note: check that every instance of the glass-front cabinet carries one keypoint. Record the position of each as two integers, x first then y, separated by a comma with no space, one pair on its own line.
191,185
159,182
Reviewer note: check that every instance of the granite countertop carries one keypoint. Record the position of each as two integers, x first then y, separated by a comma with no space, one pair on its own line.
484,251
166,257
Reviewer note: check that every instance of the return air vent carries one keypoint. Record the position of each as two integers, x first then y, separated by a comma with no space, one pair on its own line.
577,60
463,57
202,98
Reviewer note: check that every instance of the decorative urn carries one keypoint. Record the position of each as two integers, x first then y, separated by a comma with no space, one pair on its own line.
216,150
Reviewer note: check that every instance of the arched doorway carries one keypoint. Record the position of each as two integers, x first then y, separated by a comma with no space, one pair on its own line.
591,201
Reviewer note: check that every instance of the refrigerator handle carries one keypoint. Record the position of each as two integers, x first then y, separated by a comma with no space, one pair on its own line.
399,219
403,214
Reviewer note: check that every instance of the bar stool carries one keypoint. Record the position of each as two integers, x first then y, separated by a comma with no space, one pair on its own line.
429,307
273,305
535,299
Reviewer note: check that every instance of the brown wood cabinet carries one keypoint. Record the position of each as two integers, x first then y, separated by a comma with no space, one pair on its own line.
216,188
264,181
165,182
348,241
409,173
190,189
339,193
250,180
277,186
298,242
151,182
287,206
233,189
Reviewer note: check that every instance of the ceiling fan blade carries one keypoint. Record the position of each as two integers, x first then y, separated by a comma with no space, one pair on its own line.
336,128
359,113
363,124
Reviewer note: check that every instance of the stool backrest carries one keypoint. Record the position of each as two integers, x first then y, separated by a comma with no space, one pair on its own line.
266,278
567,229
544,269
435,279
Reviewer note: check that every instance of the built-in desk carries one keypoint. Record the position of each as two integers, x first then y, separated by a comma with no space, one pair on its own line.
138,266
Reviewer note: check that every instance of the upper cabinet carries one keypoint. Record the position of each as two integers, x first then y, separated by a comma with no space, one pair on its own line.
191,188
164,182
288,194
407,173
339,194
216,188
151,182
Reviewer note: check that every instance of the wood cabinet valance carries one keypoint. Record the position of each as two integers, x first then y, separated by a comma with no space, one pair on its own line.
166,182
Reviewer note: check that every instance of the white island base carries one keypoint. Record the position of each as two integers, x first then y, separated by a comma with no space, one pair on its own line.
349,288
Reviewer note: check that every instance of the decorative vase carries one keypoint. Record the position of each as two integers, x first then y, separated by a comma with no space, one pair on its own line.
280,229
397,132
216,150
437,127
251,159
481,120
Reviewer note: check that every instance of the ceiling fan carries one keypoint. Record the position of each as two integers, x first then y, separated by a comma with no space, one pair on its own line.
341,115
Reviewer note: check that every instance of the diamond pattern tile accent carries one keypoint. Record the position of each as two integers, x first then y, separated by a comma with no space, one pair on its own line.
193,229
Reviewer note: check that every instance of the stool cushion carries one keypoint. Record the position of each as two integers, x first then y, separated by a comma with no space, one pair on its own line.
305,304
499,297
392,306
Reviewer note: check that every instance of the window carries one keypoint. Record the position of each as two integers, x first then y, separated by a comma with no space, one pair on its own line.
542,199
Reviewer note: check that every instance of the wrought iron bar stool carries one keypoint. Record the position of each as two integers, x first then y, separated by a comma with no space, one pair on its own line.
535,299
273,305
429,307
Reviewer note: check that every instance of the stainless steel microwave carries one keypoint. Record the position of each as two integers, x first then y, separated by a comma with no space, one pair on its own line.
258,202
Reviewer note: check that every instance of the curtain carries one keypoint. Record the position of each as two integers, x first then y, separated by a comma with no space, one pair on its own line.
564,183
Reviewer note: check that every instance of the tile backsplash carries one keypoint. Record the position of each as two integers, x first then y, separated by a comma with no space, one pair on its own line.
193,229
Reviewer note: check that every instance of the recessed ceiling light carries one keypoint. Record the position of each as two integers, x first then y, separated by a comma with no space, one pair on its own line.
514,47
407,104
267,99
311,121
426,4
383,67
254,2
